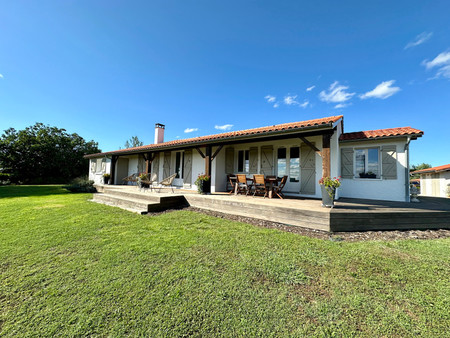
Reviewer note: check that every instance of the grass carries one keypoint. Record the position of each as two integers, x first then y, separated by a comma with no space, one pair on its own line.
70,267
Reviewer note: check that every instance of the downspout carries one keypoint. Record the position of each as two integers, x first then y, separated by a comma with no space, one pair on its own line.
407,189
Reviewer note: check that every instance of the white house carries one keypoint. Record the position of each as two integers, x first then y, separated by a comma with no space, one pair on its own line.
435,181
373,164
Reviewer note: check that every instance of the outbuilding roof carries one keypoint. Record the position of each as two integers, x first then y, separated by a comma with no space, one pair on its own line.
381,133
255,132
444,167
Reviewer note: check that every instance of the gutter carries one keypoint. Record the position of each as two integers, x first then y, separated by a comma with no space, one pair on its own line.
407,187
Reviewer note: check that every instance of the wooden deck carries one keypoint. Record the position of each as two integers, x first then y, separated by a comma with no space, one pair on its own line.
347,215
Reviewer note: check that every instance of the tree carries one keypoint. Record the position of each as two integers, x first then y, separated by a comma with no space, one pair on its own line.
418,167
133,142
44,154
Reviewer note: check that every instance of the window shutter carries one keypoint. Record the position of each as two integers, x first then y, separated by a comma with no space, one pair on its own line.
389,162
347,163
187,169
229,161
155,166
166,164
253,158
267,160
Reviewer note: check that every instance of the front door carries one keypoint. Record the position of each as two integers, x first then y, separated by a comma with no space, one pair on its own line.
288,163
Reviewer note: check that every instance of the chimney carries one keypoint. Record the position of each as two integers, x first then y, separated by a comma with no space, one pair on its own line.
159,133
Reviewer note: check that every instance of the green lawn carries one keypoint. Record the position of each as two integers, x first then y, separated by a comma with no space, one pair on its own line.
72,267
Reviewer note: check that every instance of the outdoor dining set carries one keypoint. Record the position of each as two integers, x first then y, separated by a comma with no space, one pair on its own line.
267,186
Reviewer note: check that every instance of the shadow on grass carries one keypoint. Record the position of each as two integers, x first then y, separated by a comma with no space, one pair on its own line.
30,190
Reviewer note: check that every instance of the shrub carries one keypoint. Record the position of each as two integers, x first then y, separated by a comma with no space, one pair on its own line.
5,179
81,184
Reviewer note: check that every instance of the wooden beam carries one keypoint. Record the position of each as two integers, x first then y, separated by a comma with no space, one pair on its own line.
217,152
312,146
200,152
326,170
208,160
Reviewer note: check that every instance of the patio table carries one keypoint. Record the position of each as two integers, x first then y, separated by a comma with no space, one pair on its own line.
272,181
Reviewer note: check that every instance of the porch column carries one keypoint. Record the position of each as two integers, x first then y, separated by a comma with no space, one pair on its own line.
113,169
207,186
326,155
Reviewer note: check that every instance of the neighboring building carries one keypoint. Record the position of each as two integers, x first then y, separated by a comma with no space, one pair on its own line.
435,181
373,164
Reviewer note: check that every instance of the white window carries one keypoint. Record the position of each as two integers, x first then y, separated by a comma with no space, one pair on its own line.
367,163
99,165
243,161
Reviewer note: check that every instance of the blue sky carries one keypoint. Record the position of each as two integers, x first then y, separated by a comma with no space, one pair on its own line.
109,70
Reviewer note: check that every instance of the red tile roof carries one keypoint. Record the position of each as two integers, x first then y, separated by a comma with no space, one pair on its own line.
381,133
275,129
444,167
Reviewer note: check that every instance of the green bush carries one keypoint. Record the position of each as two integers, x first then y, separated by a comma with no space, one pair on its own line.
5,179
81,184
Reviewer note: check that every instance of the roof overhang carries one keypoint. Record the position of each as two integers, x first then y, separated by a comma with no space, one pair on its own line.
408,136
313,130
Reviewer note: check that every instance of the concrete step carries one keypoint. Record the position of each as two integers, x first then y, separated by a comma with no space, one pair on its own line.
127,203
142,196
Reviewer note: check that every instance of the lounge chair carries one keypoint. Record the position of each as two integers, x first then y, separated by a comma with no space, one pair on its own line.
167,182
131,178
147,181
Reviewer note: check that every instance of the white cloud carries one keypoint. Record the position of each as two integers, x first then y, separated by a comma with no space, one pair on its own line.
190,130
304,104
442,62
1,76
290,100
276,105
382,91
310,88
341,105
419,39
270,98
224,127
336,93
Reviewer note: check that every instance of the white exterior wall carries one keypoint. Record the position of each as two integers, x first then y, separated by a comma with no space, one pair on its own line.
426,184
444,183
97,175
378,189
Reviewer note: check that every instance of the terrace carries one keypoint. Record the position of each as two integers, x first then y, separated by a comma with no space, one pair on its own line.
347,215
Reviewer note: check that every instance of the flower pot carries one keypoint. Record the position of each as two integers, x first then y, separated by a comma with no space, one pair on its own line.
105,180
201,187
328,194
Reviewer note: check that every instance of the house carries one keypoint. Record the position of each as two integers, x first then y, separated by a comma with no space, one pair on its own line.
373,164
435,181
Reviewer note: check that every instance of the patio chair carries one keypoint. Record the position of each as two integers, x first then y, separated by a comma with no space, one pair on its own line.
231,182
279,188
259,185
147,181
167,182
131,178
242,186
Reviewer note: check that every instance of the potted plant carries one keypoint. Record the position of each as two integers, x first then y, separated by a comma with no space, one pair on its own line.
201,182
329,186
106,178
142,177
